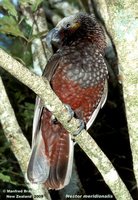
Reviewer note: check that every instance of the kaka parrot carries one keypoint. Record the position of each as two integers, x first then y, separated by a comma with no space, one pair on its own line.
78,74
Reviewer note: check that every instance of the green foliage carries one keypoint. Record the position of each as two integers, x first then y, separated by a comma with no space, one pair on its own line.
7,179
15,35
8,25
8,164
27,112
9,7
21,50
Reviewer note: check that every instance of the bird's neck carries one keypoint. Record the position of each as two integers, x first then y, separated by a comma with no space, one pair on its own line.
95,36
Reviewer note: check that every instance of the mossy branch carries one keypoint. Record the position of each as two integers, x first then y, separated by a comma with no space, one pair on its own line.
121,21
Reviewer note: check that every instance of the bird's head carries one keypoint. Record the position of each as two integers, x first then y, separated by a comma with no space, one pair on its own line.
71,28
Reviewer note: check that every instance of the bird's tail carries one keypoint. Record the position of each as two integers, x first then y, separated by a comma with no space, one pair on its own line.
52,153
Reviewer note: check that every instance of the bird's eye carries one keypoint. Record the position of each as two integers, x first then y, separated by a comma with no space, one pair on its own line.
68,25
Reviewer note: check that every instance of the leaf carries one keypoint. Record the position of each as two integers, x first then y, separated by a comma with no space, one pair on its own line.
8,25
7,179
7,5
36,4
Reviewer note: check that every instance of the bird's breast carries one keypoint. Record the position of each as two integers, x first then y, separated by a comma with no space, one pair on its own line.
77,91
79,78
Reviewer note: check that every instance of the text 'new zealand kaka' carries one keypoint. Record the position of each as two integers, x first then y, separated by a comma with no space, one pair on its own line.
78,74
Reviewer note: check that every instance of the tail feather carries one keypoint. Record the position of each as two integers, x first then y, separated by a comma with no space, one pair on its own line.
38,168
52,154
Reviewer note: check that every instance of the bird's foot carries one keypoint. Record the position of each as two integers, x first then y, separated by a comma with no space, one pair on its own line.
80,127
70,112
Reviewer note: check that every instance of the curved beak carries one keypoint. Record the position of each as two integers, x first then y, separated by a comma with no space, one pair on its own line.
53,38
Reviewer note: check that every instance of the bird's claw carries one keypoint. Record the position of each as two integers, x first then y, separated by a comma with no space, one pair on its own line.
71,115
70,112
80,127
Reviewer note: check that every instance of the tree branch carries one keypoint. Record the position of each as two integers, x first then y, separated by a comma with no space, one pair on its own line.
42,88
64,6
121,20
18,143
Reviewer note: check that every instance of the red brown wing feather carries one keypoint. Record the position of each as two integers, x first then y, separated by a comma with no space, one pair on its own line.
52,147
57,150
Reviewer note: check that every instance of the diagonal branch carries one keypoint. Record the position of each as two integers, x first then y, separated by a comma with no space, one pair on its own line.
42,88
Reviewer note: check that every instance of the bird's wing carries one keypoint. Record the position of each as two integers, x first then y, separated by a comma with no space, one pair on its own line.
52,65
99,75
48,72
36,119
100,105
50,144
